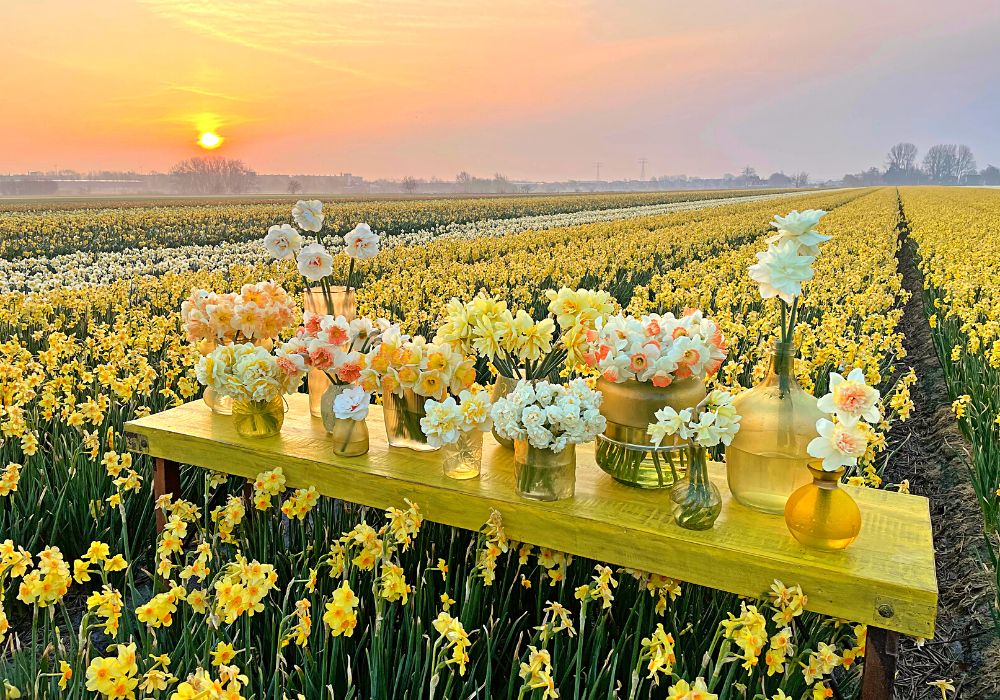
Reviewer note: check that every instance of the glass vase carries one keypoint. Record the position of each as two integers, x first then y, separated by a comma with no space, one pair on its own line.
259,419
463,459
348,436
223,405
624,450
696,501
822,515
502,387
339,302
767,459
402,416
544,475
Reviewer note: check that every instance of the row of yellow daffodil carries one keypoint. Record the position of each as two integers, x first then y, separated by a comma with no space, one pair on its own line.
956,237
39,229
238,583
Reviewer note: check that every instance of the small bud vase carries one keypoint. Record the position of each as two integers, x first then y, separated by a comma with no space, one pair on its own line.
544,475
349,437
822,515
338,302
696,501
259,419
402,416
463,459
767,459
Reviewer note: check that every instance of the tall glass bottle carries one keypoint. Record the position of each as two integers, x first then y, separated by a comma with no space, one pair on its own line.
767,459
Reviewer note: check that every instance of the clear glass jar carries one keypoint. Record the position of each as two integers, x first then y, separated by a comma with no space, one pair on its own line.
544,475
822,515
402,416
223,405
339,302
349,437
259,419
696,501
463,459
624,450
767,459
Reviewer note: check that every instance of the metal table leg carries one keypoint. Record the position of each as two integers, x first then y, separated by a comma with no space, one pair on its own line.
880,664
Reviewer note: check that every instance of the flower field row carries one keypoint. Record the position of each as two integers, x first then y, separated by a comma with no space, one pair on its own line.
289,594
962,300
98,267
41,232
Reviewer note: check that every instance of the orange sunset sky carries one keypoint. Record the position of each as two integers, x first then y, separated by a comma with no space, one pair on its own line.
534,89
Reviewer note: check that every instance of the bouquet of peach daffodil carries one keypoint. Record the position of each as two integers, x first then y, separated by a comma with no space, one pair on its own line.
335,345
313,259
258,312
518,346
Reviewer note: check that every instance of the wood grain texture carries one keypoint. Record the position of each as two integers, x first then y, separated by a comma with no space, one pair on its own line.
886,578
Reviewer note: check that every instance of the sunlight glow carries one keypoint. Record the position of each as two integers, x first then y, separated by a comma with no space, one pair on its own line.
209,140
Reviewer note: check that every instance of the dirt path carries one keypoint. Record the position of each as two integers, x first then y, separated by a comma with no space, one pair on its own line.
932,456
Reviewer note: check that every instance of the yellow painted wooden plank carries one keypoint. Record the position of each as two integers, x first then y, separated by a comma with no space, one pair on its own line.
886,578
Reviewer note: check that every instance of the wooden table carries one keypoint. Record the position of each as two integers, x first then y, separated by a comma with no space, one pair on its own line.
886,579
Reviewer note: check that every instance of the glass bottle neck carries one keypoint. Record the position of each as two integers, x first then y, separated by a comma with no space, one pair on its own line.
781,370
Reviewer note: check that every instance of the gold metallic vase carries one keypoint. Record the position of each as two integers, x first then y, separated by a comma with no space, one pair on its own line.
624,450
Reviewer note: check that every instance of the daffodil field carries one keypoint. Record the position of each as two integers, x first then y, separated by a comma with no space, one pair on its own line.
257,591
962,300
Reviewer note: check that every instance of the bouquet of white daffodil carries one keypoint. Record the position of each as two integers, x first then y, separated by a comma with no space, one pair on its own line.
313,259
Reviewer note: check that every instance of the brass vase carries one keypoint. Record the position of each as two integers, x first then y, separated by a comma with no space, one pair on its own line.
822,515
402,416
624,450
767,459
259,419
339,302
544,475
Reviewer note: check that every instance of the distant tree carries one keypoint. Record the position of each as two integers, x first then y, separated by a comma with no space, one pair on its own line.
500,182
779,179
940,163
902,157
294,186
965,164
410,184
749,177
990,175
801,179
212,176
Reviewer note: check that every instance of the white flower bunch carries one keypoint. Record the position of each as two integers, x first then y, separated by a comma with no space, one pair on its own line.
352,404
550,416
781,270
446,420
655,348
712,422
844,440
313,260
247,372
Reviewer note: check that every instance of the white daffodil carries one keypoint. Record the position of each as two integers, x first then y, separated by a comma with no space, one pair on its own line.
308,214
283,241
361,243
314,262
851,399
352,404
800,227
669,422
781,270
838,445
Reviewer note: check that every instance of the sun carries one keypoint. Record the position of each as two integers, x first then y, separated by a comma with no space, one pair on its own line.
209,140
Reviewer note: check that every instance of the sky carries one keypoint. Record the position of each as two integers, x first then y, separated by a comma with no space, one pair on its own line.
533,89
